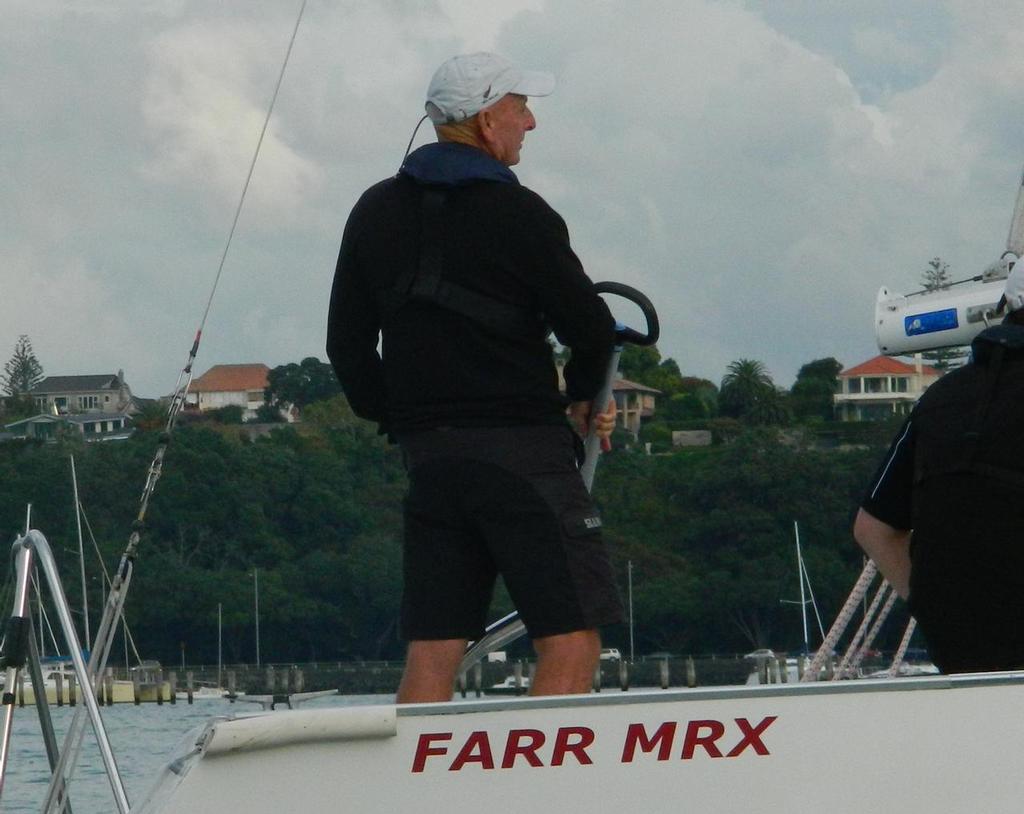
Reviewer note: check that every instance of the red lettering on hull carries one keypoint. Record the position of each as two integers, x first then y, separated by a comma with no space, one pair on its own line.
636,736
515,746
524,746
577,748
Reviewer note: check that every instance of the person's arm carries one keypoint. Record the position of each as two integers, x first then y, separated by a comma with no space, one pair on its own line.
353,331
883,524
578,315
888,547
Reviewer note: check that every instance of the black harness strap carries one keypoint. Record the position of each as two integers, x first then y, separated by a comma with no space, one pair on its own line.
425,283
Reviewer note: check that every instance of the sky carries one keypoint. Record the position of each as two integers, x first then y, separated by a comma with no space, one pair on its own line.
759,168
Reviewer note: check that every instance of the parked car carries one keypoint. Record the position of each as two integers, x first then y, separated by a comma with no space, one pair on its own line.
610,654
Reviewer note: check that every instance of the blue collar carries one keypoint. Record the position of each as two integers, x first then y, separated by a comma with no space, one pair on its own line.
451,164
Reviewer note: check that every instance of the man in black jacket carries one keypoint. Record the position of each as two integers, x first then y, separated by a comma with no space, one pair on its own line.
461,272
943,517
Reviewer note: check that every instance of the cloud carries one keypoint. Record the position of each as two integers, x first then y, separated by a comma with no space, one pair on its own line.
757,168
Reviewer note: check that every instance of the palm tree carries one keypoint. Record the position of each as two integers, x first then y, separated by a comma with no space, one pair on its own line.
748,393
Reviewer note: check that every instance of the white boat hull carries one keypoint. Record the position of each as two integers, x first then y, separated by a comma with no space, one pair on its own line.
942,744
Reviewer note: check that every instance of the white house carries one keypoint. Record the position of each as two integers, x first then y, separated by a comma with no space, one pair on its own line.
226,385
90,426
103,393
881,387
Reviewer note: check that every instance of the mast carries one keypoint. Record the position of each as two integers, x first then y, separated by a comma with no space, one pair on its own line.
803,600
1015,240
81,556
220,651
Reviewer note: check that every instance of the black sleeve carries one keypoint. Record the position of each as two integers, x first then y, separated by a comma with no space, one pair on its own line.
579,317
353,331
890,495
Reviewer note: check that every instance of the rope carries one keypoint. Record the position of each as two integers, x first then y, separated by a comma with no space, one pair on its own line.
873,633
842,620
129,639
901,652
844,665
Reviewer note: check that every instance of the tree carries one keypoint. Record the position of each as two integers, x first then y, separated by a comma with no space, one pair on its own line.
228,414
268,414
749,394
152,416
644,364
22,371
301,384
811,395
937,278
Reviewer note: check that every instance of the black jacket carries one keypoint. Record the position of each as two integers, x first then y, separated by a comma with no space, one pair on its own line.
955,475
437,367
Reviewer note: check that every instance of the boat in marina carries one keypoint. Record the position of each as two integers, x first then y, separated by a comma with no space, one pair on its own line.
62,686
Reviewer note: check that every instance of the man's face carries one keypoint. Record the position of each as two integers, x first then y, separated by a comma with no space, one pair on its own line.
504,126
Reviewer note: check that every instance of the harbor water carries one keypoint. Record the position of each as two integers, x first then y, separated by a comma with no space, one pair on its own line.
143,739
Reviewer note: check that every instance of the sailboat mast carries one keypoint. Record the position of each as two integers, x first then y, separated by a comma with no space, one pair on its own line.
803,599
219,642
81,556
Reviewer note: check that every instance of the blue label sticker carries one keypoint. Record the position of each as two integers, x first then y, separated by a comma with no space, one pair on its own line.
931,322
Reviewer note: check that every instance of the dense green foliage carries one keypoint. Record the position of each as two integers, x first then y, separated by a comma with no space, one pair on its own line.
300,384
811,394
317,509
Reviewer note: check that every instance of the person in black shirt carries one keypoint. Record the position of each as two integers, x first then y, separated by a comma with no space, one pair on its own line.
943,515
460,272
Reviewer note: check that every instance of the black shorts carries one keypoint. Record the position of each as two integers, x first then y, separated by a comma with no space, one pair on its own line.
509,501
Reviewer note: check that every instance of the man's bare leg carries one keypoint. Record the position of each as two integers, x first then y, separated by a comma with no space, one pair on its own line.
566,662
430,668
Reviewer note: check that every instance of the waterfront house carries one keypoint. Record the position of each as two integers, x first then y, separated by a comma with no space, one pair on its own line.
90,426
225,385
881,387
65,395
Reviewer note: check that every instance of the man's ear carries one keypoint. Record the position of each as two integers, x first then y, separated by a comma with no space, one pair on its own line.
485,119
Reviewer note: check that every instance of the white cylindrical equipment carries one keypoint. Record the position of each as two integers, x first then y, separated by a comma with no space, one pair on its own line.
934,319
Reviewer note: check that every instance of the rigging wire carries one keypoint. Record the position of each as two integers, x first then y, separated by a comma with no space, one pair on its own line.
122,577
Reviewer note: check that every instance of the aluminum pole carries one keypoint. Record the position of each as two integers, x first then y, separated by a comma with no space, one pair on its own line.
49,568
23,567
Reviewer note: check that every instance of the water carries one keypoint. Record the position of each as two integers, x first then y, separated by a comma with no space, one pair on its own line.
143,739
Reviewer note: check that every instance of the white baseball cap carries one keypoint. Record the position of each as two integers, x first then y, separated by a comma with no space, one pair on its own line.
466,84
1013,294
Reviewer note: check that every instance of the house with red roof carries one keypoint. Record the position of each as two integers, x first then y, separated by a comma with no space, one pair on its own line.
881,387
224,385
